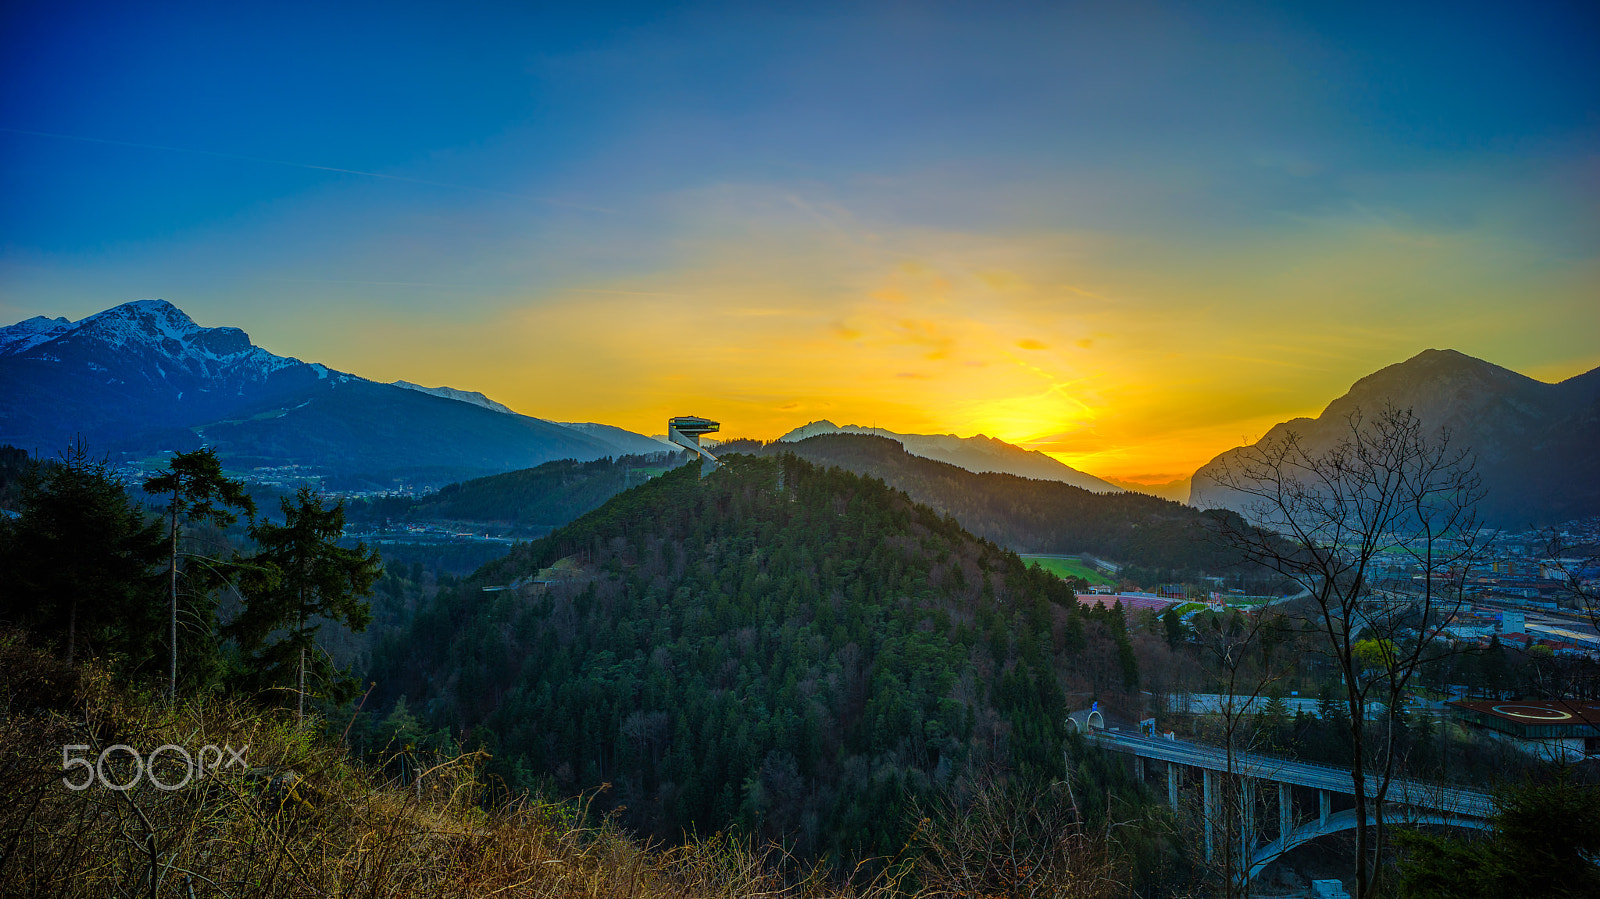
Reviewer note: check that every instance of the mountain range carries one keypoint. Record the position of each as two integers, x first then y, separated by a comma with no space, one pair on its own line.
1536,445
978,454
142,378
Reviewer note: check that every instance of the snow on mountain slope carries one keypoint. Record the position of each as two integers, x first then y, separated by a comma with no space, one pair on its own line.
25,335
464,396
143,377
154,329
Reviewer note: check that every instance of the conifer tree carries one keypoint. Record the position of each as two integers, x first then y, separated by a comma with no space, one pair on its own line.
302,575
196,492
79,560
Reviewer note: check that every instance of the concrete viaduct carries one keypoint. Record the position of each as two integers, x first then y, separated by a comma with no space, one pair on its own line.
1407,802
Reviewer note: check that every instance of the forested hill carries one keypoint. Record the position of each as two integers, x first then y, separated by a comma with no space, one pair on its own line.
546,496
790,649
1031,516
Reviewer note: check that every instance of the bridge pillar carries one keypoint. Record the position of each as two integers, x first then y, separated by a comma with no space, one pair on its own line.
1208,781
1138,768
1285,810
1247,818
1172,785
1324,807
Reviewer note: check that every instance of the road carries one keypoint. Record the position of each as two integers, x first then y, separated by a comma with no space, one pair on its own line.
1304,774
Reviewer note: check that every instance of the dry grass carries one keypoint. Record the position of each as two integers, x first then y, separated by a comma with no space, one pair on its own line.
304,820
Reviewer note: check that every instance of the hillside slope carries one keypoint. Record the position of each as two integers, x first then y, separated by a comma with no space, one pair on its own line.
1030,516
793,649
979,454
543,497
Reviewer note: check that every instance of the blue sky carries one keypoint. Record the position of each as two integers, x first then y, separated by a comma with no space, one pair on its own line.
1130,234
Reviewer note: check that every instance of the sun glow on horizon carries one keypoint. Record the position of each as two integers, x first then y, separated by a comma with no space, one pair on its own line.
920,219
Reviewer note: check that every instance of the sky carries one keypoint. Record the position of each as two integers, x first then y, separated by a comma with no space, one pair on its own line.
1131,235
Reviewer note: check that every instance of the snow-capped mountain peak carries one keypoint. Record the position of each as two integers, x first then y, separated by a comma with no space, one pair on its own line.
153,328
141,320
27,334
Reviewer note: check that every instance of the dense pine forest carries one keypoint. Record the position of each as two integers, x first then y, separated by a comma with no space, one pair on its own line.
799,652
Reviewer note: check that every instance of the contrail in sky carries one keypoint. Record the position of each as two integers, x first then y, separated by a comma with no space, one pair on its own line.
486,287
307,165
626,293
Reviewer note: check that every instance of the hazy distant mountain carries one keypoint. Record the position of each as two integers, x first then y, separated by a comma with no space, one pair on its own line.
976,454
627,442
1176,490
143,377
622,440
465,396
1537,444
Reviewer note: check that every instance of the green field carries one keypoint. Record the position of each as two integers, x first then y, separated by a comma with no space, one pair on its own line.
1239,601
1064,568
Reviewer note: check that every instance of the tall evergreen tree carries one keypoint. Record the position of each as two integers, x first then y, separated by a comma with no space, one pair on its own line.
79,562
196,492
303,576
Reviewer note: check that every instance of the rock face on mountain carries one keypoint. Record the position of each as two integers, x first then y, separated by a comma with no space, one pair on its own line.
1537,445
978,454
143,377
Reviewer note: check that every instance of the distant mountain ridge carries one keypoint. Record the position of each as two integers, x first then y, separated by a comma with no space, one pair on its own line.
144,377
1176,490
1027,515
629,442
1537,444
978,454
465,396
621,439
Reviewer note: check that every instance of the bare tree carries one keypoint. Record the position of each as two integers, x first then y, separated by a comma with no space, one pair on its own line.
1577,567
1246,670
1000,837
1378,530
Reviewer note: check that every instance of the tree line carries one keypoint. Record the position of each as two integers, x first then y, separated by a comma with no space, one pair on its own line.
92,572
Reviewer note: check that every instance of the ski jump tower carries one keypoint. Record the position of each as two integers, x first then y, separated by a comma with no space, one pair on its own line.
685,431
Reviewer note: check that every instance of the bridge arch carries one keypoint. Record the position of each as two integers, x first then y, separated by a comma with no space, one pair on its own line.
1346,820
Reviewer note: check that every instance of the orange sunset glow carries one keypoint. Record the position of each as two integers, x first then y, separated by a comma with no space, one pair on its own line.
1053,342
929,224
